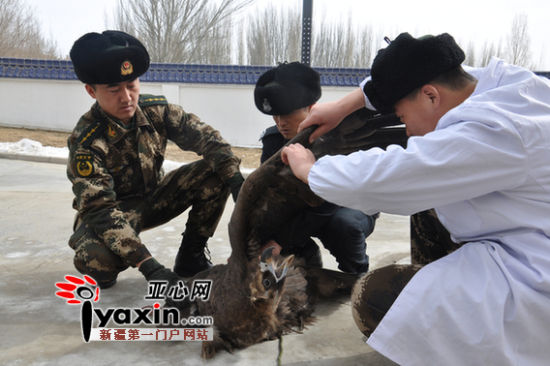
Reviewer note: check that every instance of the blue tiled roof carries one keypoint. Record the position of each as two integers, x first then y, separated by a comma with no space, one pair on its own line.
36,69
179,73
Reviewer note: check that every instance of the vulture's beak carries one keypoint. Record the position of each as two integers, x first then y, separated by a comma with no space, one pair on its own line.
268,263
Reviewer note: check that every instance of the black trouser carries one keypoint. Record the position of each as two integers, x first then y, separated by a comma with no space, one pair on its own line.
342,231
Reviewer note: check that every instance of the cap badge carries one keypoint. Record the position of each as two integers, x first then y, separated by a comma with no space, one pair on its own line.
126,68
266,106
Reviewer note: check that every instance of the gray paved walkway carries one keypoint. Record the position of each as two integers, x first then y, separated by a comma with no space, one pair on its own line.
38,328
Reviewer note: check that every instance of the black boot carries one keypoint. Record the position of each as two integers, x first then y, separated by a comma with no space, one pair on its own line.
191,258
106,284
310,253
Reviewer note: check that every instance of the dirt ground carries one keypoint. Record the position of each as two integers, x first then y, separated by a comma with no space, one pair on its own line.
250,157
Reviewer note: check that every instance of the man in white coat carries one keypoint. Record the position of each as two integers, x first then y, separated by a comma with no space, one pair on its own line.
479,154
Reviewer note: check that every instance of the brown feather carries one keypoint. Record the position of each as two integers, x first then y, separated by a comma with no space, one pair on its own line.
245,312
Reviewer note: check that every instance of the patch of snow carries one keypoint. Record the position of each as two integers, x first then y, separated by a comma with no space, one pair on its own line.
16,254
35,148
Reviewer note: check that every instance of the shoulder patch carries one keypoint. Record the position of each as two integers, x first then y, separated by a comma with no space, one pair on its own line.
89,134
83,164
146,100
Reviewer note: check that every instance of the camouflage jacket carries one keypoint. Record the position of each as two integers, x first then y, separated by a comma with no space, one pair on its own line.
109,164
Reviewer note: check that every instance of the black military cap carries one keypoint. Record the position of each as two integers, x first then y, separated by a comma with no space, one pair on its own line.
109,57
286,88
407,64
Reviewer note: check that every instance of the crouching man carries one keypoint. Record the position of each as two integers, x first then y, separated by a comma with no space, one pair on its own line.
288,92
116,153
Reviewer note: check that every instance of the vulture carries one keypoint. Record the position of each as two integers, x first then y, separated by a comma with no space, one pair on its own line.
258,295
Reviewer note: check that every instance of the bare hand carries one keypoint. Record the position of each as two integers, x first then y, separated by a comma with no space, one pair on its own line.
299,159
325,115
329,115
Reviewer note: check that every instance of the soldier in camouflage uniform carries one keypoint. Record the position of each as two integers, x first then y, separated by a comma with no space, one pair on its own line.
116,153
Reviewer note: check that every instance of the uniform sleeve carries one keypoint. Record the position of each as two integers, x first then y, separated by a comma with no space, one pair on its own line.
96,202
457,163
190,133
368,104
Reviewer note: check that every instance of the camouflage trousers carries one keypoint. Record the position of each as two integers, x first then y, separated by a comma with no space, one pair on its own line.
193,185
375,293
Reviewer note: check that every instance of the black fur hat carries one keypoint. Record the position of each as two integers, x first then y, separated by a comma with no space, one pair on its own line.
109,57
407,64
286,88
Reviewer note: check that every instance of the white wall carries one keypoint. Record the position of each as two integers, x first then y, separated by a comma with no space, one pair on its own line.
57,105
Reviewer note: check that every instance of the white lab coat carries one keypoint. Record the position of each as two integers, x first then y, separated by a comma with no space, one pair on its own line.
486,170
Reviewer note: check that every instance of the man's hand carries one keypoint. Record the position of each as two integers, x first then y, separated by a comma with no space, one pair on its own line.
154,271
299,159
329,115
325,115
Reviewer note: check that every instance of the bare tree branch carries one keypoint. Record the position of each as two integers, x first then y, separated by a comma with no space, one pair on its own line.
364,51
470,52
518,42
273,36
489,50
181,31
20,35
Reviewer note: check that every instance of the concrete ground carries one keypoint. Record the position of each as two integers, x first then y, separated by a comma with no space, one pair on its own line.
38,328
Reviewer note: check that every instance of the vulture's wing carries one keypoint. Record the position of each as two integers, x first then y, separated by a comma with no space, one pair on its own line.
271,196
